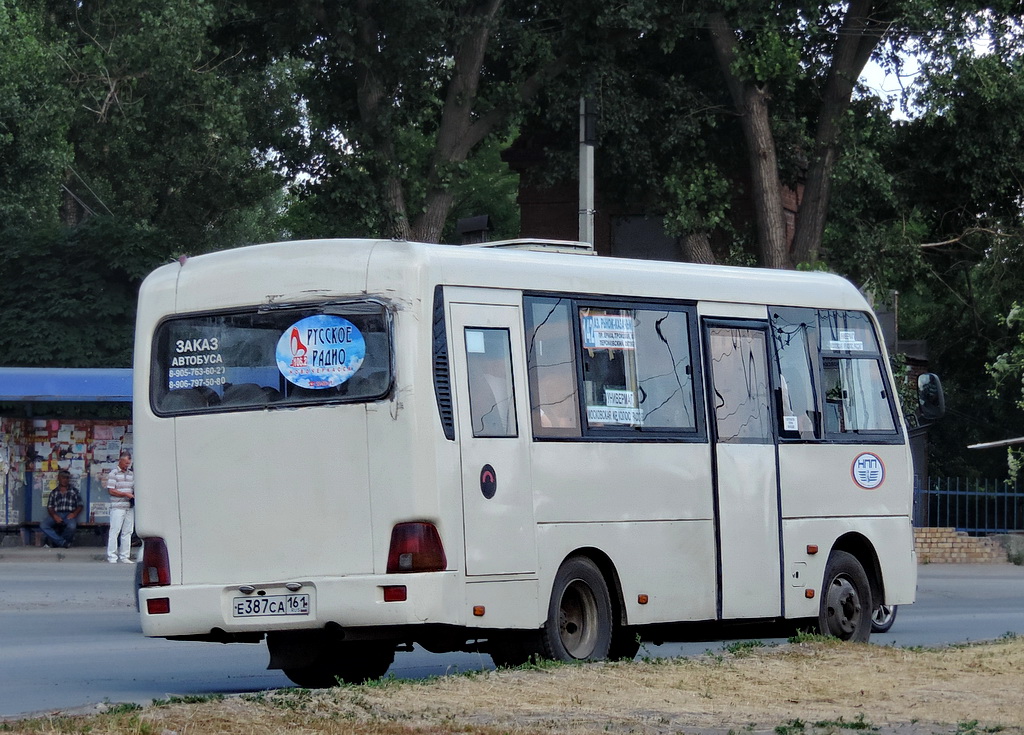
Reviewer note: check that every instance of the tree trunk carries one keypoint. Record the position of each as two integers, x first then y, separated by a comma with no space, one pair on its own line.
429,225
394,196
454,137
696,247
751,102
370,96
862,30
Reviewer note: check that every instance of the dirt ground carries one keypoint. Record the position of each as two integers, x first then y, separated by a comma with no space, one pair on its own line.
795,689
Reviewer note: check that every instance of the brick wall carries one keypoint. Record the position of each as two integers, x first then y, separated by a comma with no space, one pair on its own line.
949,546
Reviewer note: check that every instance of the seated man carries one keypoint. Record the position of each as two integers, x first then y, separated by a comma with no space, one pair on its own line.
62,511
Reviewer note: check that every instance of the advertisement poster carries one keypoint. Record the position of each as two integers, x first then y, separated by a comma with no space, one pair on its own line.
37,449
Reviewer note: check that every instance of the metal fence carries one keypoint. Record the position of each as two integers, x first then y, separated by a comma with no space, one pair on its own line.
976,506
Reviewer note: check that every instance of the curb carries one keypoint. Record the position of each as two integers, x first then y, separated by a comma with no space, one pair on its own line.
41,554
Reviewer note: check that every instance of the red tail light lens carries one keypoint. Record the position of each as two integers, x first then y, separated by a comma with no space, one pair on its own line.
158,606
156,569
416,547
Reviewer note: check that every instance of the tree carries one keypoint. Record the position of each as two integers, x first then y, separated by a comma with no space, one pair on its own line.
127,137
771,113
165,125
854,31
35,113
960,168
69,293
394,98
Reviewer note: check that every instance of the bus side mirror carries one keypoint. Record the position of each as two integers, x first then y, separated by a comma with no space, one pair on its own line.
930,400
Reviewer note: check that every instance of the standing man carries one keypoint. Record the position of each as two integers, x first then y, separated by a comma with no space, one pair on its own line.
62,510
121,487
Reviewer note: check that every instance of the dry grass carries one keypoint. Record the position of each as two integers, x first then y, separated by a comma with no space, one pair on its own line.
796,689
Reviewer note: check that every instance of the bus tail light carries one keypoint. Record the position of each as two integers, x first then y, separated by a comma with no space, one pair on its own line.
416,547
156,568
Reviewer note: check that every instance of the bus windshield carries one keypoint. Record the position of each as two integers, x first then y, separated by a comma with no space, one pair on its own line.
256,359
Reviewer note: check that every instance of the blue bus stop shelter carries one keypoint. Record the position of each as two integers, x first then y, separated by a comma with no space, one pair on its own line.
93,385
29,386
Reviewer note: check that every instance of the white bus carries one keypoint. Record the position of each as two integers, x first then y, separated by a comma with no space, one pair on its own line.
346,447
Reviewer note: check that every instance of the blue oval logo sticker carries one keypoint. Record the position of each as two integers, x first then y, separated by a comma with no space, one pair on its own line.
321,351
868,471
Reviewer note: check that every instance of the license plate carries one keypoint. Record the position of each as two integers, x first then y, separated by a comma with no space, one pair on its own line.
251,607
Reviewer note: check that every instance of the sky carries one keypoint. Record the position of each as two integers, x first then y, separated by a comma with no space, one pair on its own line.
888,86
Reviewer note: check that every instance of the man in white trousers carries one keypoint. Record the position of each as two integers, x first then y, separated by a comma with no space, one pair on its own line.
121,487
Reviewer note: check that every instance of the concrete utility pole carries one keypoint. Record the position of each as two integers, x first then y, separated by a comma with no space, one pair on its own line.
588,138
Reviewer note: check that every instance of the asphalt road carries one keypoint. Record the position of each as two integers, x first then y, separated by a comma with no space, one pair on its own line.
70,637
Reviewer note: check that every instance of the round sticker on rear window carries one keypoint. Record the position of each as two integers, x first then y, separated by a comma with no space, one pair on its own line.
321,351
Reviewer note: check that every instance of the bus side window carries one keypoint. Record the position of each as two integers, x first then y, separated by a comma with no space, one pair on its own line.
637,370
551,364
857,398
491,396
794,333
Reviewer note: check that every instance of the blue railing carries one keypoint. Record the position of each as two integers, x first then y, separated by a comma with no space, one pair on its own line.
976,506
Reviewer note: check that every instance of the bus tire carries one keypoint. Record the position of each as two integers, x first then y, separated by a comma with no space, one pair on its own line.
579,623
348,663
882,618
845,609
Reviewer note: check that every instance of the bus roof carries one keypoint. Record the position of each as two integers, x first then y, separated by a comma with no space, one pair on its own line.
288,272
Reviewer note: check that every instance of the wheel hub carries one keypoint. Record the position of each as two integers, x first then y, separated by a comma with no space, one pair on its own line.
577,620
844,608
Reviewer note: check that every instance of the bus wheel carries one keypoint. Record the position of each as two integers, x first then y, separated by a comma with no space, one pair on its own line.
882,618
845,610
579,624
349,663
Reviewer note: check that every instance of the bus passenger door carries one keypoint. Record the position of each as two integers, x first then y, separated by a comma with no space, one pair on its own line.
746,480
493,431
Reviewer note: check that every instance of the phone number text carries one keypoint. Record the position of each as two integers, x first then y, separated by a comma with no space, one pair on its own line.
196,382
195,372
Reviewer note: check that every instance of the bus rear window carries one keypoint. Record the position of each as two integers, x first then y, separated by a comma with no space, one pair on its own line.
265,359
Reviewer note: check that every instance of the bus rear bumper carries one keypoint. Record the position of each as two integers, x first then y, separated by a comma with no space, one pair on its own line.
245,612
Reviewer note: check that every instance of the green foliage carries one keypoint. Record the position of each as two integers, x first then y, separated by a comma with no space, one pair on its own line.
698,199
973,727
798,726
35,113
188,699
906,389
793,727
807,636
858,723
486,186
873,234
162,130
1008,366
126,137
393,109
954,175
70,295
769,55
742,648
1007,372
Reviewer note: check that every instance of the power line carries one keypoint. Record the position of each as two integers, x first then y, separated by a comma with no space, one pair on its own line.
95,195
78,199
